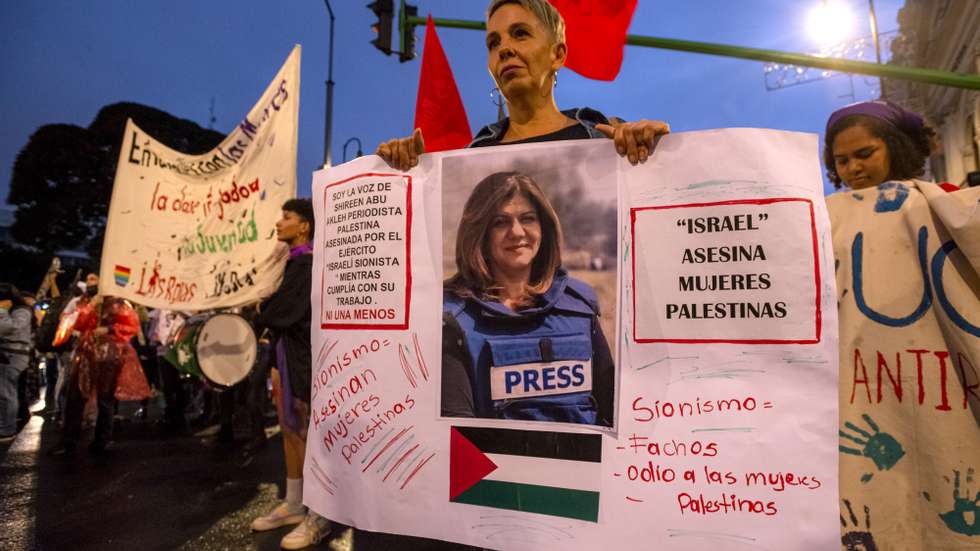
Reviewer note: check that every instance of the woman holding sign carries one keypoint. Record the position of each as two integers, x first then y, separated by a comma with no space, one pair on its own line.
521,338
526,47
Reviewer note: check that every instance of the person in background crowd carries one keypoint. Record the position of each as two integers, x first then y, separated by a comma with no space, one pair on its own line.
78,293
147,354
162,327
89,288
51,370
106,324
526,48
29,383
287,313
51,364
15,350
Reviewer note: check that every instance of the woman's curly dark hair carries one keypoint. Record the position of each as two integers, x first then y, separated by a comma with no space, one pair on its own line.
907,152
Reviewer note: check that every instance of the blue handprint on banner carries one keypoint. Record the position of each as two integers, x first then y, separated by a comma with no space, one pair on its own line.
891,195
965,508
882,448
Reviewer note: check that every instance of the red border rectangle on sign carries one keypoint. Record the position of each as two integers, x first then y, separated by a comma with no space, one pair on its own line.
408,258
816,273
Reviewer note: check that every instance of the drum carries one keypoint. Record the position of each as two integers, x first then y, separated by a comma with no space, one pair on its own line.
219,348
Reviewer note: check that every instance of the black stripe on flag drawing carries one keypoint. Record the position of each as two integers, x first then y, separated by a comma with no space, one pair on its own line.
550,473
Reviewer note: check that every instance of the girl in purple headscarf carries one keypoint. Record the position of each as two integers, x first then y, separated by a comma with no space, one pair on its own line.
872,142
907,266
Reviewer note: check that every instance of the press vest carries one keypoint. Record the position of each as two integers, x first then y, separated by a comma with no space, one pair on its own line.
535,364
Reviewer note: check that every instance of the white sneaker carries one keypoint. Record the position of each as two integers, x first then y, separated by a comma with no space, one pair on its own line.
310,532
282,515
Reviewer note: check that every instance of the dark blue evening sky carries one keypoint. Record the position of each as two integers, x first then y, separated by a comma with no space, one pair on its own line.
63,60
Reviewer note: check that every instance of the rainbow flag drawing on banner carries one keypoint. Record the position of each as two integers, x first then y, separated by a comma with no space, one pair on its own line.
122,275
549,473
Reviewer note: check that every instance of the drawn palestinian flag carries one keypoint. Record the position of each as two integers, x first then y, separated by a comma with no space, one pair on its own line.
549,473
122,275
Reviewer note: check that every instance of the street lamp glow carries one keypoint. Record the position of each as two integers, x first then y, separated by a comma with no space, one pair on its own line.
830,22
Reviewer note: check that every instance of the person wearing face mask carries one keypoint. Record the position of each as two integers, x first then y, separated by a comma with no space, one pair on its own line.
907,265
526,48
521,338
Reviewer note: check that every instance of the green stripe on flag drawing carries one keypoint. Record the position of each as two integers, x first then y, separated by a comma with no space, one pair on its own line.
545,500
543,472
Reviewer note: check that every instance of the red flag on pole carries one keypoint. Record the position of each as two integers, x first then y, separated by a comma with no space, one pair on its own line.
595,31
439,110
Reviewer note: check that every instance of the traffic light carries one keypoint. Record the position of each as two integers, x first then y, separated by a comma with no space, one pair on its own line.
406,32
384,10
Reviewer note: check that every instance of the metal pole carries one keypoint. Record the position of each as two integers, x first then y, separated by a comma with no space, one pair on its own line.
328,122
874,35
928,76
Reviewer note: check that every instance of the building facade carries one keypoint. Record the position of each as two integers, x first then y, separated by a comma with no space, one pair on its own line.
944,35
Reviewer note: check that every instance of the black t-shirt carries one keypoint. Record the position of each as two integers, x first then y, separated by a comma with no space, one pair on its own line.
288,314
573,132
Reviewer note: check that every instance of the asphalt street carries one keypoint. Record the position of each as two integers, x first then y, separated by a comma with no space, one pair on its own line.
152,492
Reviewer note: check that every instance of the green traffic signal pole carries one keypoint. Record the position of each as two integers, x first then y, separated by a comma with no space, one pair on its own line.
928,76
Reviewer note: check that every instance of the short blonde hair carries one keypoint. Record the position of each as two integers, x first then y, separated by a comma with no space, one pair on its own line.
543,10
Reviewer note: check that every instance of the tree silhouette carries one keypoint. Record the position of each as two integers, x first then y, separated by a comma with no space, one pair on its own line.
62,179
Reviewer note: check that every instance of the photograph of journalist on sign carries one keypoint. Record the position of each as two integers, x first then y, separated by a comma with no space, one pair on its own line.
522,338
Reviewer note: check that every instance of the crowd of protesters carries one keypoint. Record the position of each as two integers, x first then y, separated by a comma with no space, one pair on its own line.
81,349
90,351
867,145
73,357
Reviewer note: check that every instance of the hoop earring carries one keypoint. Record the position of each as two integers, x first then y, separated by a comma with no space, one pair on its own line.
496,96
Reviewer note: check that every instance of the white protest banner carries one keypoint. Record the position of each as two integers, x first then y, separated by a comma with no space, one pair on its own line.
908,290
198,232
673,385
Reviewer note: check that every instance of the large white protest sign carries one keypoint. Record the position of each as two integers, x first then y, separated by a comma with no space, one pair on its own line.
198,232
673,387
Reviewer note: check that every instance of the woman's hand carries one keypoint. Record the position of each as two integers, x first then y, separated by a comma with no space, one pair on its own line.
634,140
402,153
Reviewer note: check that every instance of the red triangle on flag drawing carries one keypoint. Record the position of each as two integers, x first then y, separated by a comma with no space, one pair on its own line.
439,110
467,464
595,31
